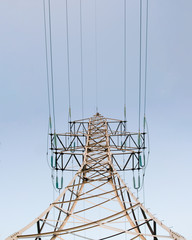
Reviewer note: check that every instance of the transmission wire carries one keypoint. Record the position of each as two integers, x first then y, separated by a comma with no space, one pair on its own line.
81,43
145,84
140,72
140,59
125,78
48,80
145,94
125,59
47,65
146,56
68,67
49,130
82,82
51,64
96,58
145,103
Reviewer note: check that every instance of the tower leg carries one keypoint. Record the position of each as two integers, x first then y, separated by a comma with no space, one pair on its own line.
155,230
38,229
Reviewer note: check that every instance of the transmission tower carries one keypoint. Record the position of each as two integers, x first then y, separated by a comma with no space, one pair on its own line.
96,204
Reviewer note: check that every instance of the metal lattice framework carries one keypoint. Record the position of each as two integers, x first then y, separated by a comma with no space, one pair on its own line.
96,204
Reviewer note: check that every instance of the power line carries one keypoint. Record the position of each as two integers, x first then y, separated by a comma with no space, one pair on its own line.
47,55
125,58
145,97
140,61
96,63
51,63
81,43
68,67
146,56
47,64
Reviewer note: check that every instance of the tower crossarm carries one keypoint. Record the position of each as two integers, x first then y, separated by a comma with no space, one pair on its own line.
66,145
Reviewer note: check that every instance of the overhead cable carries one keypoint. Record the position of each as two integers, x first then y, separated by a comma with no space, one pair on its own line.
47,64
96,60
50,87
125,58
68,60
140,61
81,48
146,57
51,64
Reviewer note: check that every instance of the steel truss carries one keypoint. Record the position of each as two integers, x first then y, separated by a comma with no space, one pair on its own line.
96,204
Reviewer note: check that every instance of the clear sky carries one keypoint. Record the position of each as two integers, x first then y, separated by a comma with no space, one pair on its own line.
25,178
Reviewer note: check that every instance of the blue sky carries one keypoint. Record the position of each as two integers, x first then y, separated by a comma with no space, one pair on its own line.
25,180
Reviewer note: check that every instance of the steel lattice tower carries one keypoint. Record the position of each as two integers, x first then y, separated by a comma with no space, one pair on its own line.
96,204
